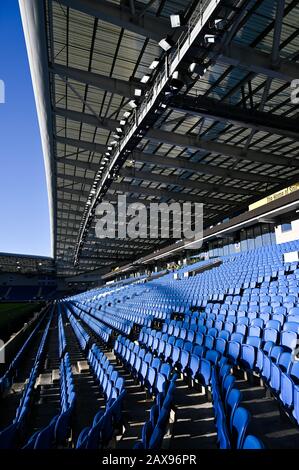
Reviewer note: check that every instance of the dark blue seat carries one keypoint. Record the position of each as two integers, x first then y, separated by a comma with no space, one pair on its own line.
239,427
252,442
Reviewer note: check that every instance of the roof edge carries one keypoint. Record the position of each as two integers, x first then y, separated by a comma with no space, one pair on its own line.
33,18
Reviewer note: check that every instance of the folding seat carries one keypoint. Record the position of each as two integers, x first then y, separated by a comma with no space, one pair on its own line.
252,442
213,332
224,334
170,330
143,372
176,331
184,360
202,329
209,324
198,350
131,362
292,318
241,329
252,315
221,317
209,342
233,351
227,384
255,331
156,363
270,334
160,385
283,364
249,351
164,337
223,372
167,351
232,402
220,346
150,379
190,336
241,314
259,322
179,342
175,355
183,334
161,348
199,338
150,341
219,325
171,339
274,324
194,365
279,311
268,360
239,427
148,358
288,339
204,373
165,369
212,356
229,326
231,319
289,381
164,328
155,345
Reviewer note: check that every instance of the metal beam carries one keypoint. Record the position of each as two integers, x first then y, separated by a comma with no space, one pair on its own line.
202,168
258,62
189,141
184,183
173,180
90,146
179,163
113,85
252,119
102,123
146,25
163,193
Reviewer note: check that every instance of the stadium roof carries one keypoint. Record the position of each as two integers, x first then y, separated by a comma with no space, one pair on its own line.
26,264
224,133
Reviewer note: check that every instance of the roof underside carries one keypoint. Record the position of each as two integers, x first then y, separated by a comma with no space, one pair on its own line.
242,102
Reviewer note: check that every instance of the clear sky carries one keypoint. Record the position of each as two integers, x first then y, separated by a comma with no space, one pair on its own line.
24,214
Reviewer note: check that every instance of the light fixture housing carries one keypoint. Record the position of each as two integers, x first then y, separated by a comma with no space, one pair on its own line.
175,20
127,114
166,43
145,78
154,64
133,104
210,38
138,92
122,122
119,129
200,69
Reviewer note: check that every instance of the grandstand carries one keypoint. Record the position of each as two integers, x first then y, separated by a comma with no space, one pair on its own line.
157,343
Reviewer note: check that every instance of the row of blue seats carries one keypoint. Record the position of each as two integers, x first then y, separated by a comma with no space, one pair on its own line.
61,334
7,379
231,419
103,331
151,372
82,336
274,362
109,380
58,430
11,436
104,425
155,428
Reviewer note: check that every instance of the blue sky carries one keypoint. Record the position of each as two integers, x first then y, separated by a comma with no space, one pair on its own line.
24,214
